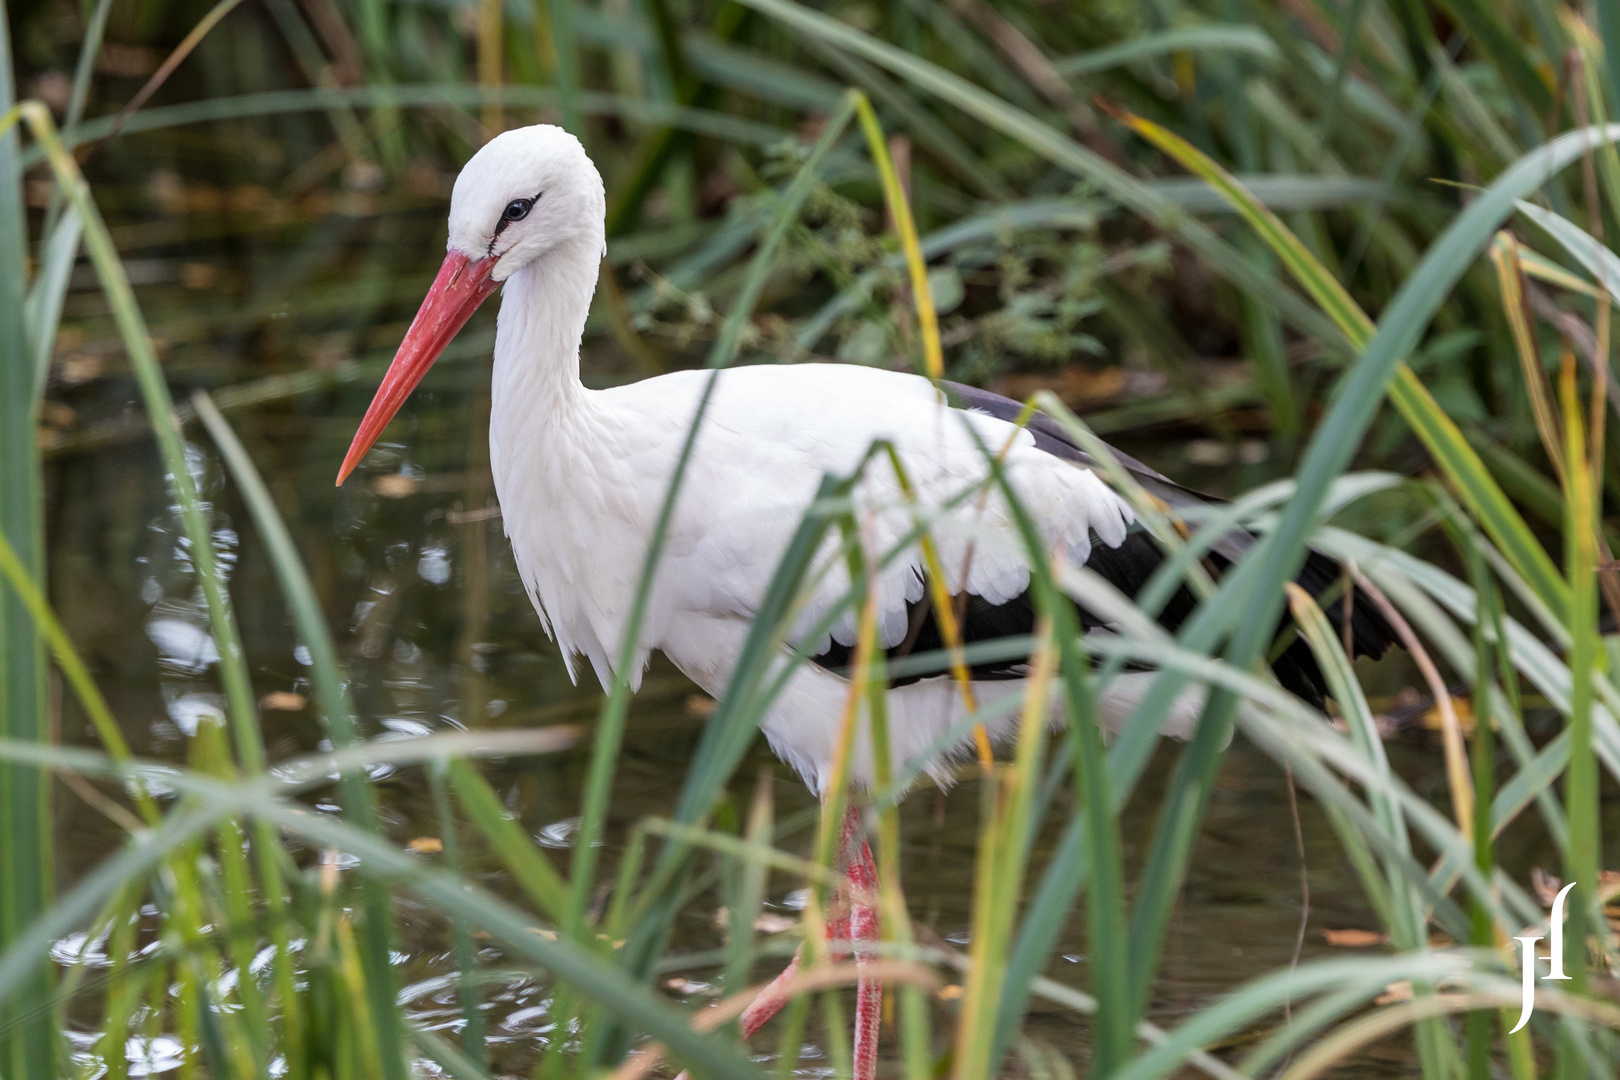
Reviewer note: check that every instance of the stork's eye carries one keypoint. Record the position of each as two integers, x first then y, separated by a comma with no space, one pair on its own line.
516,210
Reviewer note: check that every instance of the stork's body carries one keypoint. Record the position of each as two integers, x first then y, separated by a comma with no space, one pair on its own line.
581,483
582,474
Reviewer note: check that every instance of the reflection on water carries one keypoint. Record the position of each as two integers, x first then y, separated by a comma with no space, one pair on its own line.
391,554
559,834
180,633
520,1006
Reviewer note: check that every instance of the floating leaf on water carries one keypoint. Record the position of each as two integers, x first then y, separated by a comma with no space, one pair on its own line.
197,275
395,485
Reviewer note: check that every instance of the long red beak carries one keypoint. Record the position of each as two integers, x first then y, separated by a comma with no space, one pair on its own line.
456,293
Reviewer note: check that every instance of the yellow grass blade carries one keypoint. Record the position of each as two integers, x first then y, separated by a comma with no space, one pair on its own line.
900,211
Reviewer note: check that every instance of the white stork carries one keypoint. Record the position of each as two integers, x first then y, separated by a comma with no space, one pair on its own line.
581,475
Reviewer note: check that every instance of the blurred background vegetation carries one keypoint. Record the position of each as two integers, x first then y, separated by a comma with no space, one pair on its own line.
274,176
1365,123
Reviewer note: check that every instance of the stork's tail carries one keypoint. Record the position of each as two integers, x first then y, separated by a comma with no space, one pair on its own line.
1370,633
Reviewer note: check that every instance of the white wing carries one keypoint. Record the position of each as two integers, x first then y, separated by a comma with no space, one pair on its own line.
772,433
581,496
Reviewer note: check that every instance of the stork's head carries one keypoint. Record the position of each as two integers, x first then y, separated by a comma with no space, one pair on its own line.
529,192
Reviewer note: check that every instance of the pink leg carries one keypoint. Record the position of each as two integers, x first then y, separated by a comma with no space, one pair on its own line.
864,928
853,918
770,1000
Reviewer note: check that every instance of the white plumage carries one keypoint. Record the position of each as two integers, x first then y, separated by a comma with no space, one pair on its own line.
581,485
581,474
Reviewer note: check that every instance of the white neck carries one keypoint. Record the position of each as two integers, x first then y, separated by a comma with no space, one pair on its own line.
542,432
541,321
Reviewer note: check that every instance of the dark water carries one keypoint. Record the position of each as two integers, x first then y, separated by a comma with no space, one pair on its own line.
244,286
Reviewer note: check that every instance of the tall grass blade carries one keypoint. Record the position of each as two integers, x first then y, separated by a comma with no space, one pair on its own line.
1106,922
160,409
532,871
631,654
734,724
1483,764
89,50
46,294
27,1041
1586,658
894,195
68,661
1224,37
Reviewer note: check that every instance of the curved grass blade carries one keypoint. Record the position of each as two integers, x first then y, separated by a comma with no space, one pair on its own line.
1586,657
175,58
319,99
1214,37
1067,870
1600,262
1095,787
71,665
160,409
